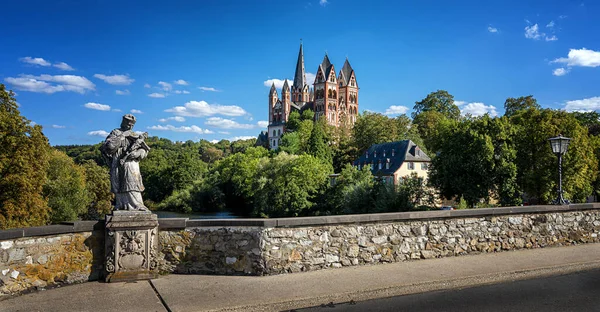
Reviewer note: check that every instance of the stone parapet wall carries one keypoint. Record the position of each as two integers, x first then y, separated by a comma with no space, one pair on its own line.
310,248
39,262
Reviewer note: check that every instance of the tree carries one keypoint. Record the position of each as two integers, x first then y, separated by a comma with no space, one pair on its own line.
514,105
373,128
97,184
590,120
23,164
318,143
65,188
537,165
439,101
287,185
476,161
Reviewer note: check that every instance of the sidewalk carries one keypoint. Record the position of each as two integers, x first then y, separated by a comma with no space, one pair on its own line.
290,291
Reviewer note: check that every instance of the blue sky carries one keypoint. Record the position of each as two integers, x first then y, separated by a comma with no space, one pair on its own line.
193,70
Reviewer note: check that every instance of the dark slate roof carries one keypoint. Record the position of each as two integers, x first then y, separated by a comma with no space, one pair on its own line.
273,89
405,150
347,72
300,76
286,86
262,139
326,66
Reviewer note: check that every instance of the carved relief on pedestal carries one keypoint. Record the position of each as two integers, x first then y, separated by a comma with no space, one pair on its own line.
110,252
132,254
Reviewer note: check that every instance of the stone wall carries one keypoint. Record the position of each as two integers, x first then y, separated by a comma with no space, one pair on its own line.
317,247
37,262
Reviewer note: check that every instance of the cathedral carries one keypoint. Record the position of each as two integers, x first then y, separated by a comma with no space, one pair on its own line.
331,97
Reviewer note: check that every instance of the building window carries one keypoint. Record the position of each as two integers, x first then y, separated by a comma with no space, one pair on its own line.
375,154
393,152
387,165
358,166
379,166
274,133
411,166
367,154
424,166
383,153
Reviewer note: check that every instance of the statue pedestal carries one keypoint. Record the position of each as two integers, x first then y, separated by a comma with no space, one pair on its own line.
131,246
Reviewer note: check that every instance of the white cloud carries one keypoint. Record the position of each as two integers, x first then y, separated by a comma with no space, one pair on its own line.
323,2
459,103
101,133
246,137
310,78
278,83
115,79
532,32
58,127
136,111
175,118
191,129
560,72
181,82
211,89
550,25
584,105
40,83
63,66
263,124
156,95
492,29
202,109
97,106
223,123
181,92
147,85
165,86
123,92
224,132
580,57
396,110
35,61
214,141
116,110
478,109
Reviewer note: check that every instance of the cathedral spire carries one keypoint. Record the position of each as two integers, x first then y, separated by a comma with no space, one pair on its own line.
300,76
273,90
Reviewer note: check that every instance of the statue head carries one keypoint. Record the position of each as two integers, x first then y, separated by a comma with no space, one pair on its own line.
128,122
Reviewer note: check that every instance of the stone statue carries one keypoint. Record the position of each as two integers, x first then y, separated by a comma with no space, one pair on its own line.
122,150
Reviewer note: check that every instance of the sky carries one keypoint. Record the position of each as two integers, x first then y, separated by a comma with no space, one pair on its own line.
191,70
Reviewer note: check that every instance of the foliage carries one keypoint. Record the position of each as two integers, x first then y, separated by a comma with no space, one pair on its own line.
589,120
476,161
65,188
439,101
23,164
537,164
514,105
97,184
318,142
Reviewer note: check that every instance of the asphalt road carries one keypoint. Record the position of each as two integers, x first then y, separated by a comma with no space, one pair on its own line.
573,292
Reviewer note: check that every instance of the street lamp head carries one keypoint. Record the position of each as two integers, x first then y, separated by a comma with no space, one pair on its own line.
559,144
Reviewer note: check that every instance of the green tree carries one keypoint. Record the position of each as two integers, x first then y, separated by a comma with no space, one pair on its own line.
97,184
65,188
318,143
439,101
23,164
590,120
287,185
537,165
373,128
514,105
476,161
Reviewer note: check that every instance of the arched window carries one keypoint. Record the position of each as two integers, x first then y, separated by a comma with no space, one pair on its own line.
334,94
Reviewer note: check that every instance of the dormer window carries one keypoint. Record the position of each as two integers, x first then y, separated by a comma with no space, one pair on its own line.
393,152
367,154
375,154
379,165
383,153
387,165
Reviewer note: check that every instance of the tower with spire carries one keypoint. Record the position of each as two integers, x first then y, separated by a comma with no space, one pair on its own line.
332,97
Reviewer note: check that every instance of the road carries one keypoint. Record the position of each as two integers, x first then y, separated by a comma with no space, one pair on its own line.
573,292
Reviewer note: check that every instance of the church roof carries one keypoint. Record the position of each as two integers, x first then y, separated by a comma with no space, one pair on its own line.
326,66
273,89
300,76
286,86
347,71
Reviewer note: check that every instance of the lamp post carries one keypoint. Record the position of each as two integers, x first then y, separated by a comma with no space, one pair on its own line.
559,146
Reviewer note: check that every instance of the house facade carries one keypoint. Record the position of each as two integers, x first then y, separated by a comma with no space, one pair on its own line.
395,160
328,96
